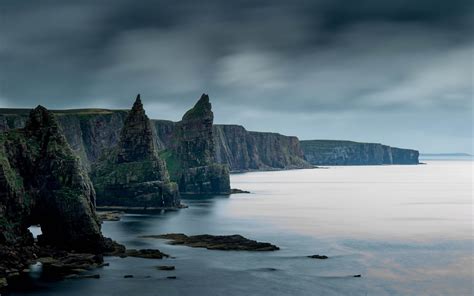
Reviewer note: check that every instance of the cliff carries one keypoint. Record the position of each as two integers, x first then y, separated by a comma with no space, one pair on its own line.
190,154
243,150
42,182
333,152
88,131
132,174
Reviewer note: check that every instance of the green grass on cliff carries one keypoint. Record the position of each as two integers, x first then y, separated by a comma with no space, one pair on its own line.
172,163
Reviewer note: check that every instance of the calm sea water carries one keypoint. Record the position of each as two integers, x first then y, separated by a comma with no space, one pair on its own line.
406,229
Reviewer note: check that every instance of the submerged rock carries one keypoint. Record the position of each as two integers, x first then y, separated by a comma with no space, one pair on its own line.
146,253
216,242
132,174
318,257
165,267
238,191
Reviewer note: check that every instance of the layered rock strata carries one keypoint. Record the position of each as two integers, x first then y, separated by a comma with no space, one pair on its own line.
191,153
333,152
132,174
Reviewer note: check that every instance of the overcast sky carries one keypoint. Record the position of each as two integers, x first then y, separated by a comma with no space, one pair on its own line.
396,72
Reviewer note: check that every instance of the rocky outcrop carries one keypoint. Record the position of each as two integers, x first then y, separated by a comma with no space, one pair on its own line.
132,174
216,242
89,132
190,154
333,152
42,182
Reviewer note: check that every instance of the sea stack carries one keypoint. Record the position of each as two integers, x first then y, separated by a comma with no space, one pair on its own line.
42,183
191,157
132,174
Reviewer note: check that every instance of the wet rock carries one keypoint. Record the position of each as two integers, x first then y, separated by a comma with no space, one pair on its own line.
216,242
110,216
83,276
165,267
146,253
3,282
318,257
237,191
64,263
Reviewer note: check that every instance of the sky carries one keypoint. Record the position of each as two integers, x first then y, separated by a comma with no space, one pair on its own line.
392,72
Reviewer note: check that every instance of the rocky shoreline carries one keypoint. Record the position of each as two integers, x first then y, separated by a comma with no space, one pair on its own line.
216,242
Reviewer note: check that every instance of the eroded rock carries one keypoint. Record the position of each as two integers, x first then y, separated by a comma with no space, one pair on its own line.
216,242
132,174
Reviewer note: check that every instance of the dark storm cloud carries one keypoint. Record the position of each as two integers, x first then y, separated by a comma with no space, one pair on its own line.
255,58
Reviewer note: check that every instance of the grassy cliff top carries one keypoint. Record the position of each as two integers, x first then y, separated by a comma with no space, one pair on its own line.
86,111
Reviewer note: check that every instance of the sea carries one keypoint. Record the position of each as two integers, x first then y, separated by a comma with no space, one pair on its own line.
387,230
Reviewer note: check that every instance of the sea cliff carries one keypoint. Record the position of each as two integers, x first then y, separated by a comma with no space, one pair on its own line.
334,152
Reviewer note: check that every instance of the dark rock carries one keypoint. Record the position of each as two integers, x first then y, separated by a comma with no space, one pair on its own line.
219,242
3,282
332,152
128,276
190,156
318,257
42,182
237,191
83,276
171,277
165,267
110,216
132,174
146,253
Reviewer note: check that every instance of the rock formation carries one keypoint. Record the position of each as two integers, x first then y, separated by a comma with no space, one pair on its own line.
244,150
234,242
42,182
89,131
190,157
332,152
132,174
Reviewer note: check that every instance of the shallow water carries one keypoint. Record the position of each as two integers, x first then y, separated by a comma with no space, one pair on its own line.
406,229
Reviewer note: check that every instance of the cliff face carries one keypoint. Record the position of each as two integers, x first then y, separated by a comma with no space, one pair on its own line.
244,150
88,131
331,152
190,154
42,182
132,174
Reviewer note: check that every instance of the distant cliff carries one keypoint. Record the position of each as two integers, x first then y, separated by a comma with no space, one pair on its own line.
333,152
243,150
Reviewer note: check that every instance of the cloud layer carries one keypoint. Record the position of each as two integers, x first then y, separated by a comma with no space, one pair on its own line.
300,67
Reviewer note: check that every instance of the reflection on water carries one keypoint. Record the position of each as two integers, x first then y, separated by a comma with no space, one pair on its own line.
406,229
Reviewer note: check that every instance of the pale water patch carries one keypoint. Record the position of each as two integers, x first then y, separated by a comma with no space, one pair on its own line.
407,230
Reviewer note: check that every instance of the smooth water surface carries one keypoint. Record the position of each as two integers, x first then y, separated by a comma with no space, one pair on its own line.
407,230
